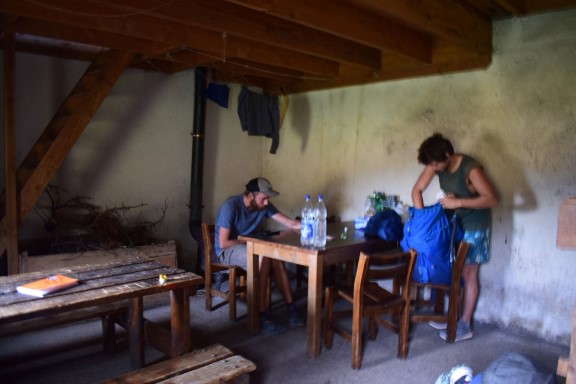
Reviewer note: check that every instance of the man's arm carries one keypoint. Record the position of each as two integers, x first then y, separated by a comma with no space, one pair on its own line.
224,238
421,184
286,221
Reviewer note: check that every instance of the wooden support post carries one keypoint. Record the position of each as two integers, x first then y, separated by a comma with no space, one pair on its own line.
567,365
571,377
11,223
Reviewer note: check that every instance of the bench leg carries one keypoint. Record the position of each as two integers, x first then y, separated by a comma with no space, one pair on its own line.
180,321
109,333
136,332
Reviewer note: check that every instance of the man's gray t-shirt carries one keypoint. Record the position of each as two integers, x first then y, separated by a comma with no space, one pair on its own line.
233,215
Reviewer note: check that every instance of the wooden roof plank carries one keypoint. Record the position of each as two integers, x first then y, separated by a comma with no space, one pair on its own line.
443,18
350,22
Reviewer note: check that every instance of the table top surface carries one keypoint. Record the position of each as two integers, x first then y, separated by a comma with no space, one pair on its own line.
98,284
291,239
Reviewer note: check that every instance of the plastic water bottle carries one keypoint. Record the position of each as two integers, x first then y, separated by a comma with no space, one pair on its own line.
306,230
320,215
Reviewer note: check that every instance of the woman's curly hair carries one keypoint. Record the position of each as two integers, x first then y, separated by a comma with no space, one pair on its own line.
436,148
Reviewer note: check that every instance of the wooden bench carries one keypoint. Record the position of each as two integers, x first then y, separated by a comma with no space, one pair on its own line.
109,313
210,365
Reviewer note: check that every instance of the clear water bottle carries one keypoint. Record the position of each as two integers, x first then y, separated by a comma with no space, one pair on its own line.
306,230
319,231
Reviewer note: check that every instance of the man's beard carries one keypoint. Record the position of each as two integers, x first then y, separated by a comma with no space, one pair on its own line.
254,206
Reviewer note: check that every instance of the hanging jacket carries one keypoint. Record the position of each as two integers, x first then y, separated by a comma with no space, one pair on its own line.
260,115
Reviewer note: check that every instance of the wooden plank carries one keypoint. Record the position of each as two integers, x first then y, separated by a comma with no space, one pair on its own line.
174,366
62,318
164,253
221,371
350,22
95,288
442,18
571,377
289,41
567,365
565,238
562,367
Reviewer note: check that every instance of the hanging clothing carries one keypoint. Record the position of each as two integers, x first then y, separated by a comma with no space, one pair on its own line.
260,116
218,93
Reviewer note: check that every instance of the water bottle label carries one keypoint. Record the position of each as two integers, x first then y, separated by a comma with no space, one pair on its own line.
306,231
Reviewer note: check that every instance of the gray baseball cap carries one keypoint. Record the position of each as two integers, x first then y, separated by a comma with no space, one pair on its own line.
261,185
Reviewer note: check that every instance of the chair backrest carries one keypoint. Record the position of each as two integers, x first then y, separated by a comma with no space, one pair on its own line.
397,266
207,240
459,262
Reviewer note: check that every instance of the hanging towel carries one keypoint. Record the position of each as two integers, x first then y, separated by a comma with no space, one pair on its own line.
260,116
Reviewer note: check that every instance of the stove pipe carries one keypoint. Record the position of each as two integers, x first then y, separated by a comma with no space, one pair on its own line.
196,181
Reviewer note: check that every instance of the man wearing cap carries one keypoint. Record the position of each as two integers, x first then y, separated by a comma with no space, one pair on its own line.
242,215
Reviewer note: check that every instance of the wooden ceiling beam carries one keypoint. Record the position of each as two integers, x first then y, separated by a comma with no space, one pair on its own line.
355,76
442,18
261,60
173,34
534,6
511,7
342,19
247,68
195,16
220,16
88,36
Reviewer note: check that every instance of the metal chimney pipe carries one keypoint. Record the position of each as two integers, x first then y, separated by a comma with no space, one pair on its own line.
196,182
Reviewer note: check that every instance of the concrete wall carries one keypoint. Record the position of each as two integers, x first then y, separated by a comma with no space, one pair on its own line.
517,117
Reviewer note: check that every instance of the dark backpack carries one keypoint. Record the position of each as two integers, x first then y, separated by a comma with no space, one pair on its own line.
386,225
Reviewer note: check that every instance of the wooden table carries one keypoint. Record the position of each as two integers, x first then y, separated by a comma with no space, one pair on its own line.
286,247
103,284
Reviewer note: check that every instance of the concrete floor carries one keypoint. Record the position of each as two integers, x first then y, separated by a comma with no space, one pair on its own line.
73,354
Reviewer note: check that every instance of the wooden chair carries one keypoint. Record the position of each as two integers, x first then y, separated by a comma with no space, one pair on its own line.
436,301
236,275
368,299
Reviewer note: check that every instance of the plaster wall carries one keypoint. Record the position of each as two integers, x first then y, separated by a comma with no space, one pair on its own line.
517,117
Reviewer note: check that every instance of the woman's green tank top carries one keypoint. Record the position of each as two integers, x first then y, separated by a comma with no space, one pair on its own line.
471,219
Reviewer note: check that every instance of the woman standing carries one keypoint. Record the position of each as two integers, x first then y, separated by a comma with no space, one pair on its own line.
470,195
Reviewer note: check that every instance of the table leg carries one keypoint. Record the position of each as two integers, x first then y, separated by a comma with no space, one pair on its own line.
180,321
314,327
136,332
253,288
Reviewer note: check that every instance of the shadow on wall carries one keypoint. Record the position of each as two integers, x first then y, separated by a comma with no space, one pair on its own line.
515,195
301,119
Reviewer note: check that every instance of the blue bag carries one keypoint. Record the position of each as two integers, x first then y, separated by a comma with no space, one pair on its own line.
429,232
386,224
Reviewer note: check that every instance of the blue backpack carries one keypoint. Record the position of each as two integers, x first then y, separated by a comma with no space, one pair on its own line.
429,232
